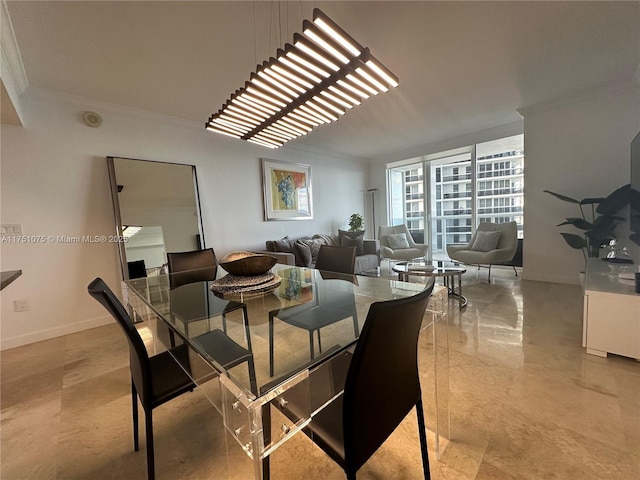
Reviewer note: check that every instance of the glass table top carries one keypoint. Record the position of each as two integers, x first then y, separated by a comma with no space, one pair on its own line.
427,267
273,329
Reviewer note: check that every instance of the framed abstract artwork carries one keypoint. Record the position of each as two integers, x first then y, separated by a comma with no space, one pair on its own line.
287,190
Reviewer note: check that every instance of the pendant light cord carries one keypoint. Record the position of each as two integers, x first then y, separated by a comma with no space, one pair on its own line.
255,40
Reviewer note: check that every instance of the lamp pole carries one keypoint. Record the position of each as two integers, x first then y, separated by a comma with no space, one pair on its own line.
373,209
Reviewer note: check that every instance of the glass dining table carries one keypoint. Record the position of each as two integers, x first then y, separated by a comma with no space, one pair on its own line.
257,353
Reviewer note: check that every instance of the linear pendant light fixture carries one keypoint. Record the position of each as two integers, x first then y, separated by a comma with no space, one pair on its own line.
312,82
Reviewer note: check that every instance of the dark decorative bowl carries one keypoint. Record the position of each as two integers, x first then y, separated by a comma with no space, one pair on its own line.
247,264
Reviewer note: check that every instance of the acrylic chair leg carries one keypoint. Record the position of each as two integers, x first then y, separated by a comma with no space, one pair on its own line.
271,368
148,420
514,270
312,354
245,322
252,376
423,440
134,411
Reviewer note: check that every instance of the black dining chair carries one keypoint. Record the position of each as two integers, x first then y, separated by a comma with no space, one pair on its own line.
137,269
154,380
187,269
382,385
192,266
336,259
333,301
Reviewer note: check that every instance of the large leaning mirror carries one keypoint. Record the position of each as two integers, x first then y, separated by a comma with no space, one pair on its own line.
157,210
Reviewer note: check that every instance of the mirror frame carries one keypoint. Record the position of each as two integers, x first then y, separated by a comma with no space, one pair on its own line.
116,205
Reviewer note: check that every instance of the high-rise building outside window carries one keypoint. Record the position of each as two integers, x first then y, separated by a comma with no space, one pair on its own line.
442,197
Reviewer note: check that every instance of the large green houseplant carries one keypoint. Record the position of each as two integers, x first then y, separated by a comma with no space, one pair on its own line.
600,221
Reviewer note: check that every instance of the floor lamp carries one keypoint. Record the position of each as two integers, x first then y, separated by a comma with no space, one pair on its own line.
373,209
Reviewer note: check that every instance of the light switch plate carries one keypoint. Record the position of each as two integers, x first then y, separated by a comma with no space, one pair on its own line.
21,305
11,229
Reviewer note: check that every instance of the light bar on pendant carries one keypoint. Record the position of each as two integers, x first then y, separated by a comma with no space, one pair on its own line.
313,81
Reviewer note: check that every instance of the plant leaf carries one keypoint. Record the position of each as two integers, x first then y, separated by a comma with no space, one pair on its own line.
614,202
634,199
577,222
562,197
574,241
603,228
590,201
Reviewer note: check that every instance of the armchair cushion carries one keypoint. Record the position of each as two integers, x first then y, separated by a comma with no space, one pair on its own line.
486,241
397,240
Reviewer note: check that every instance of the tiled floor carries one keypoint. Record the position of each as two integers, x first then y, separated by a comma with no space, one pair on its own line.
526,403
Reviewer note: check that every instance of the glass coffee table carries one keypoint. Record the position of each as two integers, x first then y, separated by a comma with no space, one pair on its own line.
436,268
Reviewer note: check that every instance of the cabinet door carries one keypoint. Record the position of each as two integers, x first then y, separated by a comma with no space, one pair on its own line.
614,323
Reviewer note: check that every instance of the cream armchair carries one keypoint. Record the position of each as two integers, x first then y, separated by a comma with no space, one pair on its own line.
493,243
396,243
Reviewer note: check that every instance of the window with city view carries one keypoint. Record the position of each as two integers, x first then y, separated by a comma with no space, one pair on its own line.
442,197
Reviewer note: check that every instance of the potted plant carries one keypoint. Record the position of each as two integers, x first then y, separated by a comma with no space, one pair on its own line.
599,223
356,223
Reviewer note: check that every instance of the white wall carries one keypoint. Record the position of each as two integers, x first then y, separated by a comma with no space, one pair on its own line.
580,148
54,182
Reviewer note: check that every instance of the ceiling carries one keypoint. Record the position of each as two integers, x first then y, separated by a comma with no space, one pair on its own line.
463,66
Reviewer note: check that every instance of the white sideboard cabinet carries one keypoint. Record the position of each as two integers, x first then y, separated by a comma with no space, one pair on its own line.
611,316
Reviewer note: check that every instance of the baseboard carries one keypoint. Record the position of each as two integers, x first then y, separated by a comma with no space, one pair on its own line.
50,333
537,277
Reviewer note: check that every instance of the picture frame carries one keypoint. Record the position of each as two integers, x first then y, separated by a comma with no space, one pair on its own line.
287,190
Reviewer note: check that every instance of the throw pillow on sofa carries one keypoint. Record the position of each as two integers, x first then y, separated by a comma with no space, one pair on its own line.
302,252
283,245
314,246
352,239
330,239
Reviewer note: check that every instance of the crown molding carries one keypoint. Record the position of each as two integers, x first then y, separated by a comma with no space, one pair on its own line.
102,107
324,152
12,64
452,143
12,72
626,86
